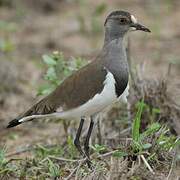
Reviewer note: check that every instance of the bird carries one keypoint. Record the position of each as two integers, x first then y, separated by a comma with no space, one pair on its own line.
93,87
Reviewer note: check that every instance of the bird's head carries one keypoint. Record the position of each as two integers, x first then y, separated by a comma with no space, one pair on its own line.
118,23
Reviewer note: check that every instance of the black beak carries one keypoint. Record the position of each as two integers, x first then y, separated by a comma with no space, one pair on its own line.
140,27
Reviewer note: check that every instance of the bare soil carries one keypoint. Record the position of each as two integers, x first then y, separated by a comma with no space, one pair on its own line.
45,26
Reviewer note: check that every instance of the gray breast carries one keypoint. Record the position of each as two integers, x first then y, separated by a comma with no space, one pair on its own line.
116,63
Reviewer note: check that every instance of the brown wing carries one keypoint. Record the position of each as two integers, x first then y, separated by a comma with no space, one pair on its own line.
79,88
73,92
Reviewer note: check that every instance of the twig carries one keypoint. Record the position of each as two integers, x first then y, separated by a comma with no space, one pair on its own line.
147,165
74,171
168,72
84,159
76,178
172,166
27,149
68,160
14,159
107,154
71,174
125,130
23,150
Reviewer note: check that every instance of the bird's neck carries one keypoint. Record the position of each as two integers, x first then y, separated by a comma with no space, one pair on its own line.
115,61
115,51
115,44
111,35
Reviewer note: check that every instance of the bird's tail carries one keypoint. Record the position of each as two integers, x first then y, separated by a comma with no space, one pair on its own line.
39,110
13,123
18,121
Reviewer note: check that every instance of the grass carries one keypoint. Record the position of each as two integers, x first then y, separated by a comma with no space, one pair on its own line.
5,167
153,145
57,161
58,68
154,141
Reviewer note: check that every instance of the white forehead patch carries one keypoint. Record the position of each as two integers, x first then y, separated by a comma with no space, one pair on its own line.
133,19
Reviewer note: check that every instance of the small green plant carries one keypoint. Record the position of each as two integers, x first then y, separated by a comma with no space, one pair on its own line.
136,127
42,152
152,143
53,169
2,157
120,153
152,129
57,70
165,141
5,169
138,137
155,140
6,45
140,140
99,148
136,123
72,151
13,136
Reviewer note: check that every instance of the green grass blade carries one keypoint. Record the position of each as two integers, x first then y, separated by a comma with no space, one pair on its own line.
137,121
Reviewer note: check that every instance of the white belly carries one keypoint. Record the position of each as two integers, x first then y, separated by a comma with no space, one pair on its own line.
98,102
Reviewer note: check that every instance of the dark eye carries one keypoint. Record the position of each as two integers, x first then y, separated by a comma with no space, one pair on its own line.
123,20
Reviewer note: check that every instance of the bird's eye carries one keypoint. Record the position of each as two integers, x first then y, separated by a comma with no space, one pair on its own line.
123,20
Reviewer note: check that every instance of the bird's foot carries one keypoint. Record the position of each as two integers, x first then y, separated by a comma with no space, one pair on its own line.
84,153
79,148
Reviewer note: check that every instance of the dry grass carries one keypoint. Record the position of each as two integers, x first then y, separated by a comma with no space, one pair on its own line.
39,31
59,161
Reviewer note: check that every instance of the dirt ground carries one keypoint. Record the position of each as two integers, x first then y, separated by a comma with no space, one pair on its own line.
40,27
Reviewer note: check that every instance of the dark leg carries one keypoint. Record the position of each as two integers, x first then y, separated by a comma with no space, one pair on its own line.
78,134
86,144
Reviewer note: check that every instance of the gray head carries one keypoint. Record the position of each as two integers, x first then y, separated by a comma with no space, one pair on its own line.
118,23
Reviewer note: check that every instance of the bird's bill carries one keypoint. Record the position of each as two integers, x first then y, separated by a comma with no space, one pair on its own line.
140,27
